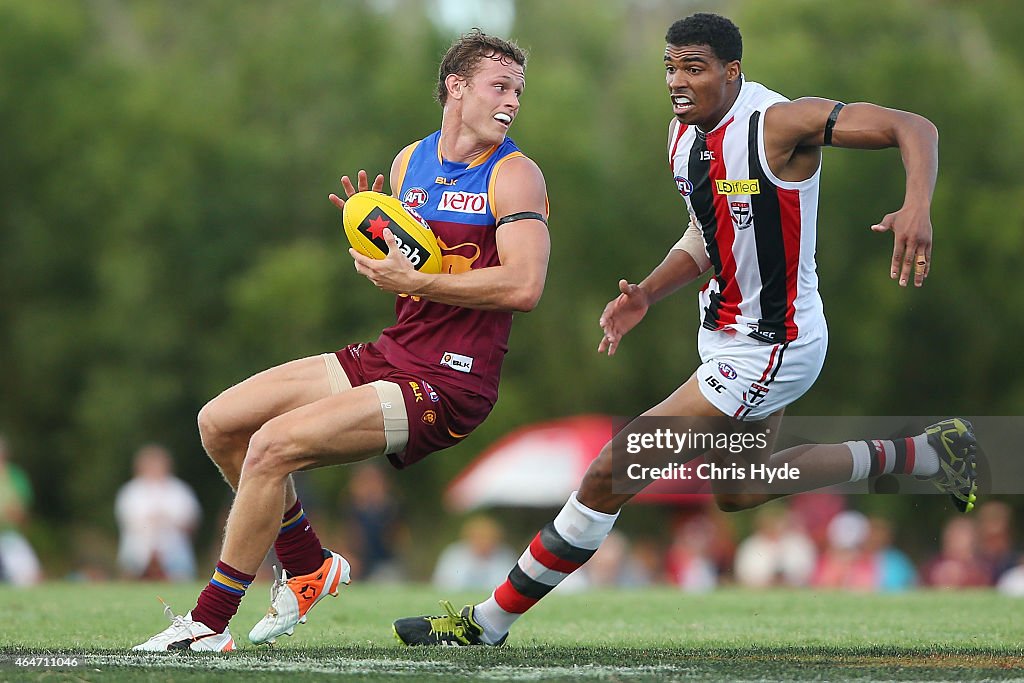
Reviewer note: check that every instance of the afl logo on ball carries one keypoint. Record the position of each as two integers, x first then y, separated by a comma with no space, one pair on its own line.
684,186
727,371
415,197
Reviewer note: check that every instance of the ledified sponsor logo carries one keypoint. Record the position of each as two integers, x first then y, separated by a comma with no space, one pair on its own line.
737,187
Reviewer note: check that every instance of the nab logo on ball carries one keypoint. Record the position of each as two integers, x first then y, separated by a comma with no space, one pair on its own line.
367,214
372,228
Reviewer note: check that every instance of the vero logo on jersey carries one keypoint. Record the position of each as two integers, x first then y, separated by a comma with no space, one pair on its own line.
463,202
737,187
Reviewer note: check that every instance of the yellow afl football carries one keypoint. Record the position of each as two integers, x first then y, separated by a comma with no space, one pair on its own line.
365,216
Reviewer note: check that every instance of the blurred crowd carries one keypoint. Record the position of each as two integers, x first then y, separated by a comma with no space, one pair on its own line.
812,540
18,562
156,514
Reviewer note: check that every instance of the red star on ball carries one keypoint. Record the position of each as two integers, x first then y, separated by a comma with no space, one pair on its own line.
376,227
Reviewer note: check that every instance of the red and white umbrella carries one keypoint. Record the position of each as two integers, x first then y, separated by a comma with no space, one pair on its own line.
539,466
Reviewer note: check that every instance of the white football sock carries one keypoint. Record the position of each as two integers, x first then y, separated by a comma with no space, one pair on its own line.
861,454
926,460
578,526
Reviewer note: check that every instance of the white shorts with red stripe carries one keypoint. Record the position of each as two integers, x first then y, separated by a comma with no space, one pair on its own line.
749,380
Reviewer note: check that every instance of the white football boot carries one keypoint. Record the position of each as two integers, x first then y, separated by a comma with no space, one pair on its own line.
291,598
186,634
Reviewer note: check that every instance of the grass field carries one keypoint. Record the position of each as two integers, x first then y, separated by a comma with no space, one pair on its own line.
650,635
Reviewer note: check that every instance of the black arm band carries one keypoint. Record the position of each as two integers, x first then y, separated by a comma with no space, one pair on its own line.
831,123
521,216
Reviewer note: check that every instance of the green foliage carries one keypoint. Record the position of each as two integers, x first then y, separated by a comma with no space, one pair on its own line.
165,232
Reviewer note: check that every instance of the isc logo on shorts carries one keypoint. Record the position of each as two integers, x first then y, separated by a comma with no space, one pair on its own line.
463,202
457,361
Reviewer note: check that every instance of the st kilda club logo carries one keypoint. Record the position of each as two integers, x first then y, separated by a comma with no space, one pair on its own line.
372,228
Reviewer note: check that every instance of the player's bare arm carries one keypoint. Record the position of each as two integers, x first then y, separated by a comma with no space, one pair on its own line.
624,312
796,131
523,247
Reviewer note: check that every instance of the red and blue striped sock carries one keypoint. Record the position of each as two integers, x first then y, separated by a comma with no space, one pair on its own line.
220,598
297,545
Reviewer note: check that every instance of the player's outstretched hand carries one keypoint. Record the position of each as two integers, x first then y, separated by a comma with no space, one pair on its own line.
362,185
394,273
912,244
621,315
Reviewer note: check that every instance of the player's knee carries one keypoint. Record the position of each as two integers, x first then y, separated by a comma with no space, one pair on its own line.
269,454
596,490
598,478
213,436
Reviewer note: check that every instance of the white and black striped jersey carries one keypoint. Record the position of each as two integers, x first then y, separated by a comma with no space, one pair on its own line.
759,230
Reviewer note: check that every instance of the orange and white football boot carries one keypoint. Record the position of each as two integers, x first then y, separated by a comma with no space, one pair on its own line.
291,598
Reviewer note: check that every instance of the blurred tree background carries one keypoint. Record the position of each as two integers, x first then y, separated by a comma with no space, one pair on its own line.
165,230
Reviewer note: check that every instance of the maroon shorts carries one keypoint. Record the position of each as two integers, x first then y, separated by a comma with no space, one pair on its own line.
439,415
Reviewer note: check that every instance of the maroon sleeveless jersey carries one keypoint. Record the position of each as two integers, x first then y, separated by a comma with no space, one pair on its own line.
451,345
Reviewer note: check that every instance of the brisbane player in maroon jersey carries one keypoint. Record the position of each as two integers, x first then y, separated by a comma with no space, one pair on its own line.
429,379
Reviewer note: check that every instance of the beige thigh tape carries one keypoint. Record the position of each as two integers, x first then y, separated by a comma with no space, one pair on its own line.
392,404
396,420
336,374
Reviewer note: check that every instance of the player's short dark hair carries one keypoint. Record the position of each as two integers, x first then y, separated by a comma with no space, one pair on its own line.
465,54
713,30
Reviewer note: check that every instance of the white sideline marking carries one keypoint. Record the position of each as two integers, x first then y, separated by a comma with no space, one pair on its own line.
400,667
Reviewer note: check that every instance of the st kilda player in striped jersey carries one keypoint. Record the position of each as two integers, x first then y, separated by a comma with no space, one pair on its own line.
747,163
